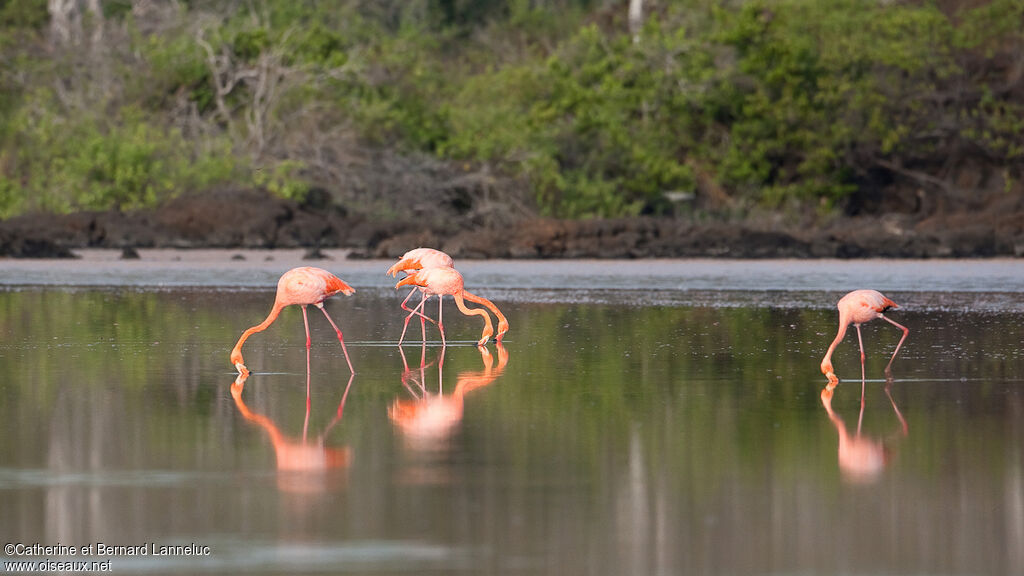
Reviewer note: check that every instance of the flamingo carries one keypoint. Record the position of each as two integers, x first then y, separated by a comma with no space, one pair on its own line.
303,286
858,307
418,259
445,280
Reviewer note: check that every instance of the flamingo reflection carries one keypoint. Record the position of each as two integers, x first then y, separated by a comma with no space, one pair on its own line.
304,463
862,458
427,417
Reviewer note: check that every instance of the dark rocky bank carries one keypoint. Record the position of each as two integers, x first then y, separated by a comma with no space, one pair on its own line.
253,219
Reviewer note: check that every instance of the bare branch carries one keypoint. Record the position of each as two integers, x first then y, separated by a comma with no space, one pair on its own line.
915,175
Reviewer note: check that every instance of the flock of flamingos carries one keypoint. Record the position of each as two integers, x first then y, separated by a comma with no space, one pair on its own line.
432,272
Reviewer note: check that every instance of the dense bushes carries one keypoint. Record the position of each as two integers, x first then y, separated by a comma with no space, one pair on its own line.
789,102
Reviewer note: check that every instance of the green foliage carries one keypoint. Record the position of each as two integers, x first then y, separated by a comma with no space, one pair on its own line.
100,164
249,44
283,179
775,103
173,64
592,127
784,101
15,14
398,99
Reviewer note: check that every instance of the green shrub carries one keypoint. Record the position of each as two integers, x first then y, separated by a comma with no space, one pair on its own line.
776,103
119,163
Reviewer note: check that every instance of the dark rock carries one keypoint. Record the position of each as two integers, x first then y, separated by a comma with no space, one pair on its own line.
315,253
257,219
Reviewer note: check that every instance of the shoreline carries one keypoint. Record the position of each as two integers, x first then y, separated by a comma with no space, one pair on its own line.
974,285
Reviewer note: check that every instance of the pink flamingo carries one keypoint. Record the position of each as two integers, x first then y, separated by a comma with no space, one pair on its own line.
418,259
444,280
858,307
303,286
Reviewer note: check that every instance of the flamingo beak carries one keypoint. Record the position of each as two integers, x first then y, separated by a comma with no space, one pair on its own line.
403,265
407,281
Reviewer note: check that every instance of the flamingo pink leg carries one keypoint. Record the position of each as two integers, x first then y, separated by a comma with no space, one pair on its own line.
340,337
440,325
860,342
411,312
906,331
305,323
423,318
415,312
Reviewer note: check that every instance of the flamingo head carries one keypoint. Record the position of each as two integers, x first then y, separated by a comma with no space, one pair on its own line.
827,370
488,331
409,280
502,328
404,264
239,363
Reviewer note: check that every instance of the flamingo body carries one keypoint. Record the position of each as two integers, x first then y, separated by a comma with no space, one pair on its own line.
444,281
420,258
423,259
856,308
447,281
302,286
864,305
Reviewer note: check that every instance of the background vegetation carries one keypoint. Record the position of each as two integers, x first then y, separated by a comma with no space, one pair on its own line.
553,107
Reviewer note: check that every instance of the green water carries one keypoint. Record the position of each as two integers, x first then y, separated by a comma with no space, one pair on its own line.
604,438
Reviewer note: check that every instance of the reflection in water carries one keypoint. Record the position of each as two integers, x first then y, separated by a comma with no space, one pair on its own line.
861,458
428,419
303,464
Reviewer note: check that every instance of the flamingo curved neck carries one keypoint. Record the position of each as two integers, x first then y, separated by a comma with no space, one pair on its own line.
461,304
826,362
236,352
490,305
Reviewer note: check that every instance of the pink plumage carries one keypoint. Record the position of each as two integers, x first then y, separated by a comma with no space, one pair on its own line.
856,308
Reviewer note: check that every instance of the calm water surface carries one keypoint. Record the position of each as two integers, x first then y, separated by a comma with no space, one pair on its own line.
640,418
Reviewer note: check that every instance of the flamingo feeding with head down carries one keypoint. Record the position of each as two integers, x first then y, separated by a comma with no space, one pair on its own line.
303,286
856,308
446,281
418,259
